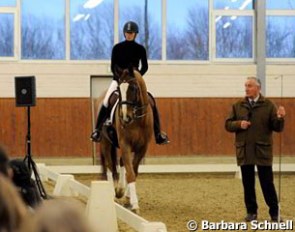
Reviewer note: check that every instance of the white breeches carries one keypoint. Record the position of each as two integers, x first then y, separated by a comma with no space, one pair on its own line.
112,88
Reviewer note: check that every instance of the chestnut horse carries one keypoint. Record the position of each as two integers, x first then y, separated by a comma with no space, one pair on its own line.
134,127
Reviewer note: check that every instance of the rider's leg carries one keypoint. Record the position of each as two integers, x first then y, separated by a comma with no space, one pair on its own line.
161,137
103,112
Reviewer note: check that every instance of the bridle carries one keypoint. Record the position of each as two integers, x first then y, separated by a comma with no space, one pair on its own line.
139,110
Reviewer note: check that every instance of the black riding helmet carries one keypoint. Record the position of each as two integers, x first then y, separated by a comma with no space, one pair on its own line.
130,27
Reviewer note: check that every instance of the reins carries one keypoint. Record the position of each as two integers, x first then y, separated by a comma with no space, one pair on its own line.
139,110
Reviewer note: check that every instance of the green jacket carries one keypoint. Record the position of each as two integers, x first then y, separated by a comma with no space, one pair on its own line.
255,144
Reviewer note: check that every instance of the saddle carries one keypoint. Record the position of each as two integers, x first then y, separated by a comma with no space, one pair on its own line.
108,130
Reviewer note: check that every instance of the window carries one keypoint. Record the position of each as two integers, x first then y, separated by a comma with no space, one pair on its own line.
6,35
187,30
87,33
92,33
280,5
280,34
233,29
147,14
233,4
43,29
7,3
7,28
234,37
280,30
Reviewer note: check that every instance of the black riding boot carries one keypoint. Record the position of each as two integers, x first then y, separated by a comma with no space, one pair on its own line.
161,137
102,116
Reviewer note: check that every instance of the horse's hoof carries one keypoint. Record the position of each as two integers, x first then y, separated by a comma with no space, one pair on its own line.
125,201
136,211
119,192
127,205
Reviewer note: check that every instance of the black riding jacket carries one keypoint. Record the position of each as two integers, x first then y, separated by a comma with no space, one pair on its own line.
129,52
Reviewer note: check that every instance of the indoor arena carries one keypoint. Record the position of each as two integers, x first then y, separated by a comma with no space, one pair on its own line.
147,115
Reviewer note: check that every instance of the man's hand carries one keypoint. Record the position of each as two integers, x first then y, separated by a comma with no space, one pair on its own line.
281,112
245,124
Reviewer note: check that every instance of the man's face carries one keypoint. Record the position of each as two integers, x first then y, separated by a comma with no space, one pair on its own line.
130,36
252,89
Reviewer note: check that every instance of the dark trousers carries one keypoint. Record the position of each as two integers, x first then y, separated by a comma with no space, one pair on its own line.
265,175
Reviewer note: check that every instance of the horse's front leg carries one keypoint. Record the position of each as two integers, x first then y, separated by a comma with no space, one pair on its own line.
122,177
138,156
131,178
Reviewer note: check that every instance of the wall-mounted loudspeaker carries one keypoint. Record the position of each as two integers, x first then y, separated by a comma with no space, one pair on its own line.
25,91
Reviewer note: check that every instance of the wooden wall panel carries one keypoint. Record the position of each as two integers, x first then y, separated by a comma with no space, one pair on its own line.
61,127
196,127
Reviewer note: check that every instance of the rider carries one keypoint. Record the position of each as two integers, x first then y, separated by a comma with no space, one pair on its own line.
123,54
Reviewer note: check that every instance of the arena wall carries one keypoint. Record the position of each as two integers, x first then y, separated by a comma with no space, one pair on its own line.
194,100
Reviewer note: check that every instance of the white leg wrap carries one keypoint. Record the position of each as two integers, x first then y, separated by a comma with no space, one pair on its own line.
127,192
133,196
112,88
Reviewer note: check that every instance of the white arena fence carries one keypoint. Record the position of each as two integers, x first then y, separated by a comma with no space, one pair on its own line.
101,209
104,213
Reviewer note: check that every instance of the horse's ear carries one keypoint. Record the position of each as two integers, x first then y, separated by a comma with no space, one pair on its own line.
131,70
117,72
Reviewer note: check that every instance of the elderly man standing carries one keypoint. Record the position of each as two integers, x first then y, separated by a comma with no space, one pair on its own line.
253,119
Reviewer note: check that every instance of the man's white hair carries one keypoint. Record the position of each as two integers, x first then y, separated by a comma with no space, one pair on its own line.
257,80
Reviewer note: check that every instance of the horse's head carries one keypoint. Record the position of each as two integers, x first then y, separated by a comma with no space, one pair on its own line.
131,103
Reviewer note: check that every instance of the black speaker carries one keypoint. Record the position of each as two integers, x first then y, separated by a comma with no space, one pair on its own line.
25,91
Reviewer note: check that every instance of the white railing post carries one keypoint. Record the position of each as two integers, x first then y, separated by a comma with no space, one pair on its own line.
100,208
62,187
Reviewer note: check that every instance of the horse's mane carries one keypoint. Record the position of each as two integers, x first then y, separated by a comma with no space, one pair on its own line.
142,84
140,79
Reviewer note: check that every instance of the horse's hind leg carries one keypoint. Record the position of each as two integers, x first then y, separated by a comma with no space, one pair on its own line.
109,165
103,167
119,189
104,158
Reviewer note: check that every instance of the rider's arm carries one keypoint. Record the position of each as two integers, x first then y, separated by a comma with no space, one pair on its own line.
113,60
144,63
